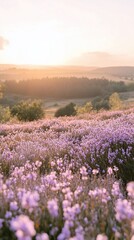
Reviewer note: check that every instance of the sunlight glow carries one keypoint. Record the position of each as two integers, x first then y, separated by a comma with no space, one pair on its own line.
60,32
36,47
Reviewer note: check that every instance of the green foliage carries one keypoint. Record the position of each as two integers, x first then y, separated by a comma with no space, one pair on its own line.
4,114
5,168
67,88
122,160
112,102
1,91
130,87
100,103
115,102
118,86
68,110
28,110
87,108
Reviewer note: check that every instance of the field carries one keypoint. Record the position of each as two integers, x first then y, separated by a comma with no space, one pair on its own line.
52,105
68,178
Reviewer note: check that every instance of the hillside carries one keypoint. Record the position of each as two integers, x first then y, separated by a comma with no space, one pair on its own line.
125,72
65,178
24,72
19,73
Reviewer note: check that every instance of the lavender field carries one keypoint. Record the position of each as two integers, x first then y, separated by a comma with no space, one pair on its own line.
68,178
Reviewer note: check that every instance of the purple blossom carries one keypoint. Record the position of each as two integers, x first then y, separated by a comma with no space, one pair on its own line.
130,189
53,208
123,210
42,236
23,227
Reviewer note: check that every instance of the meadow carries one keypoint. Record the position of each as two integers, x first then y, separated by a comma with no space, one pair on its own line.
52,105
70,178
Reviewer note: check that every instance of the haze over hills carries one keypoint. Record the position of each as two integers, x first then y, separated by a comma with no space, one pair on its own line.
115,70
45,67
22,72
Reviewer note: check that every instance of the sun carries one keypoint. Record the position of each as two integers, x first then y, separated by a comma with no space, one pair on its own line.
41,47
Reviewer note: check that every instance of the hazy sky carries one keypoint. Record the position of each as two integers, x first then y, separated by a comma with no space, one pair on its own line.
52,32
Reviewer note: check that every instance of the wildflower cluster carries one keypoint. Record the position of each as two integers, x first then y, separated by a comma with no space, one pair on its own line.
68,179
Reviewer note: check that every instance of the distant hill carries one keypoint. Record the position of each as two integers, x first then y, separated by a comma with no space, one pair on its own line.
6,66
23,72
121,71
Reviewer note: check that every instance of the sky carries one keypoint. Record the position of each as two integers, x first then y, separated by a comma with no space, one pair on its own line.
67,32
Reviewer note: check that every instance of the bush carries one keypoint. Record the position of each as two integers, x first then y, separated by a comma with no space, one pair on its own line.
112,102
1,90
28,110
122,160
100,103
68,110
4,114
87,108
115,102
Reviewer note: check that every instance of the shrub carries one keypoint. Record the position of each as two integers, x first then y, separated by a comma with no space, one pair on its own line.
4,114
28,110
1,91
68,110
100,103
115,102
122,153
87,108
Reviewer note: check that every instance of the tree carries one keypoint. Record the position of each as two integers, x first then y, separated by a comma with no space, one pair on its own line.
99,103
28,110
68,110
115,101
1,91
87,108
4,114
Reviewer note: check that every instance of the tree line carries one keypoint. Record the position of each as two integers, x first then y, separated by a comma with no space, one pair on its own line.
64,87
